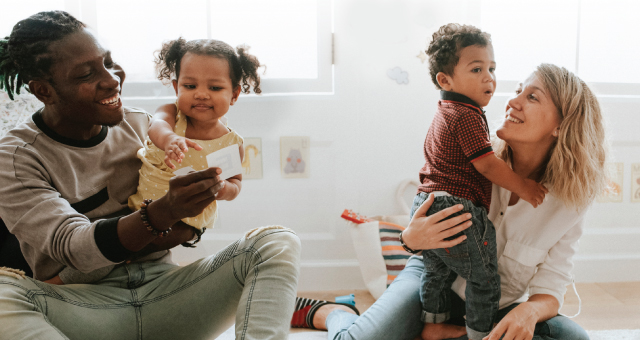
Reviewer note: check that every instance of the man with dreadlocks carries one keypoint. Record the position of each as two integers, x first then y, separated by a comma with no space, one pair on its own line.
65,176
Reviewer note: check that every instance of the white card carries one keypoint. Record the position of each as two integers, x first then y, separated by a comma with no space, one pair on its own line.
228,160
183,171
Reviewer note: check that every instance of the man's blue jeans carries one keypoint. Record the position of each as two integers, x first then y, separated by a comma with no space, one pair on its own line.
474,259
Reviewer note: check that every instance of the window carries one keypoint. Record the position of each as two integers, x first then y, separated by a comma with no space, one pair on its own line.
292,38
594,39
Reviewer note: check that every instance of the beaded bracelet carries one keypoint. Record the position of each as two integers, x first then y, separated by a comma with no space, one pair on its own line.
144,215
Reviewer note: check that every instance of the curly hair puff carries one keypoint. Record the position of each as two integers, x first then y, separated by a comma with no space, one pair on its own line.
24,53
243,67
446,44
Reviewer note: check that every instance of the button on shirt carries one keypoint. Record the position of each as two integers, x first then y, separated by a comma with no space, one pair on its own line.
535,246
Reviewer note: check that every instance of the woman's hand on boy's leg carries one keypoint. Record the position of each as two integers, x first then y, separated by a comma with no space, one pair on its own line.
430,232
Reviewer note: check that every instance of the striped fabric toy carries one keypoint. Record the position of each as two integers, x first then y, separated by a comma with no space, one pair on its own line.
395,257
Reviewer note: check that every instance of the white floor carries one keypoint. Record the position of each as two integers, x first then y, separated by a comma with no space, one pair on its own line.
621,334
625,334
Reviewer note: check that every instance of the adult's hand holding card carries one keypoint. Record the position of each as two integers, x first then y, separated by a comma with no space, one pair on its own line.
228,160
183,171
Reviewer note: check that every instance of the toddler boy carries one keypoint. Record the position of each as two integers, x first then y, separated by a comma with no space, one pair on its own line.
459,169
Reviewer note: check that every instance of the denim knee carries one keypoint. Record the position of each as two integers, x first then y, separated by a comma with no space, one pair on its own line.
277,237
561,327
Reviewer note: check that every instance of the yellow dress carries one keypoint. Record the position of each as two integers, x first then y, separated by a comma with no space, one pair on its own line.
155,174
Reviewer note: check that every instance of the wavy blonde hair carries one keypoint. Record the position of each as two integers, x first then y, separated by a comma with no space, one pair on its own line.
575,166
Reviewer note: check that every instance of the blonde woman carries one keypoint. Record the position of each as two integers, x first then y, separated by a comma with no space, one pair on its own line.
552,133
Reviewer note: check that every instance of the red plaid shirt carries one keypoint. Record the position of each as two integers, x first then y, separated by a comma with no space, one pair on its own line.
458,136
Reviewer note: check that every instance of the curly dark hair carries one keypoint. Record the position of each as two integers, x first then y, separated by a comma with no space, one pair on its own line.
446,44
24,53
243,67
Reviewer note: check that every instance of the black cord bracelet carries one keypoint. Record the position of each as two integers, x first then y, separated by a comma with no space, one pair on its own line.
144,215
192,244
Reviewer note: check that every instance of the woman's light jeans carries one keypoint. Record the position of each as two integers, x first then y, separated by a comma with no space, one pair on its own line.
396,315
252,282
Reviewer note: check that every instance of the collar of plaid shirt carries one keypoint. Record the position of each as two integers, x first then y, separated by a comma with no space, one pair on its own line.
457,97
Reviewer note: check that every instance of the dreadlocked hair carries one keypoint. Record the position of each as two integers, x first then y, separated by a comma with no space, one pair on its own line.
24,53
446,44
243,67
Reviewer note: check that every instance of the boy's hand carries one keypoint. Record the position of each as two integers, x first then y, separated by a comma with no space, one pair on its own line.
533,192
175,148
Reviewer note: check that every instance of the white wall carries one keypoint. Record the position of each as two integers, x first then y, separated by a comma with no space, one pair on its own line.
366,138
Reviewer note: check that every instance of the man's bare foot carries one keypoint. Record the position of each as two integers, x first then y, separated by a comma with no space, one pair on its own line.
320,318
440,331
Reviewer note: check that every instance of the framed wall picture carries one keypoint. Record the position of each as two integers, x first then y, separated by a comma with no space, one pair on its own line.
294,157
613,191
252,162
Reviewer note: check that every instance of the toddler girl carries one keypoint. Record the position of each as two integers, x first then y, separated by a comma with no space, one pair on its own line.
208,76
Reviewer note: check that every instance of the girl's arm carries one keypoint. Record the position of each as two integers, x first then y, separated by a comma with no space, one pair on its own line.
232,185
161,134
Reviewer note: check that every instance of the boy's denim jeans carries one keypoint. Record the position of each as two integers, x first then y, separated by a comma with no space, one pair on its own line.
252,282
474,259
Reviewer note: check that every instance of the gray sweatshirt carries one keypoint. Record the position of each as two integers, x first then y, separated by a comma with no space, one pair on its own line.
61,197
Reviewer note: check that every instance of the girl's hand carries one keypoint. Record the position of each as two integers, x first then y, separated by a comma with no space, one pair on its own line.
175,148
518,324
430,232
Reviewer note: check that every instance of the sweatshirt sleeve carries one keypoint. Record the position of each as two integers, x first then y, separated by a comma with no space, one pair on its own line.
555,273
36,213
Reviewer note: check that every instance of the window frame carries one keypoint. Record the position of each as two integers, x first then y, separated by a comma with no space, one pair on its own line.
141,92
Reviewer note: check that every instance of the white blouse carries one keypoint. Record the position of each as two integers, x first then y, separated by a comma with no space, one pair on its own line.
535,247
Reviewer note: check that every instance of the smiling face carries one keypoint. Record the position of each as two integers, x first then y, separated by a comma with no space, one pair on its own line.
531,116
204,88
473,76
86,84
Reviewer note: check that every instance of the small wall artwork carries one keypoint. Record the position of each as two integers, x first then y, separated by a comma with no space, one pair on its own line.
294,157
397,74
635,182
252,162
422,56
613,191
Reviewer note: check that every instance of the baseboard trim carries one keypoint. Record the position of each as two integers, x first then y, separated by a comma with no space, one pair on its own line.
330,275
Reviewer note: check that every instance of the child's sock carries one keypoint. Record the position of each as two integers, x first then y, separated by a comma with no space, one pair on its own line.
306,308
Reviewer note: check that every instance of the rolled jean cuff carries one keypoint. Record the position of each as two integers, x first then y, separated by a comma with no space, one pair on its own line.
427,317
475,335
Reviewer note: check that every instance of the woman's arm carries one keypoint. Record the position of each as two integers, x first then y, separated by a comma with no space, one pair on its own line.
430,232
520,322
161,134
